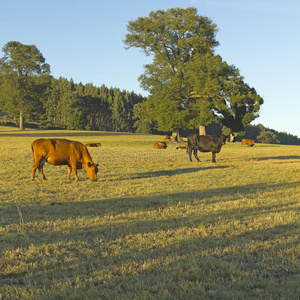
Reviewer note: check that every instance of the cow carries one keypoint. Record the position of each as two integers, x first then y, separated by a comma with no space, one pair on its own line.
248,142
59,152
166,137
181,147
205,143
160,145
232,137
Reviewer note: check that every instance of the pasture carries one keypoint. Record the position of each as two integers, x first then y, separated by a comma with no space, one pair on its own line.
154,225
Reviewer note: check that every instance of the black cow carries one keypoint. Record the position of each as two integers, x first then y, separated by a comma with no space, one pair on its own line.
205,143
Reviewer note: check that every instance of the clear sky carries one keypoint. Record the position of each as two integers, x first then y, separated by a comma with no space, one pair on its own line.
82,39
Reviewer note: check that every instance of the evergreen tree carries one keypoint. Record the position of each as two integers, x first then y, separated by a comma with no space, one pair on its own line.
119,112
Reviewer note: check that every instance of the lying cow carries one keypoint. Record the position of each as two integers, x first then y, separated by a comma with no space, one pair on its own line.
181,147
205,143
250,143
59,152
160,145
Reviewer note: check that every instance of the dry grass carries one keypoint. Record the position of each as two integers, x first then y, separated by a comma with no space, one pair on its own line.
154,226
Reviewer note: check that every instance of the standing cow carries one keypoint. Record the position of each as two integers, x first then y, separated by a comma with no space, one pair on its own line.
205,143
248,142
59,152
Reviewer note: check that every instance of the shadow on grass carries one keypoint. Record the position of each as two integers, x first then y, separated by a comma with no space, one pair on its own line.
121,261
170,172
279,157
162,252
57,209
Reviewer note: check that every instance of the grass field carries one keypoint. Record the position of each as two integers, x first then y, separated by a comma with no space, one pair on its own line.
154,225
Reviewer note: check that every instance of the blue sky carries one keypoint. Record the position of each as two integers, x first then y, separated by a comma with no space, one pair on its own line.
82,39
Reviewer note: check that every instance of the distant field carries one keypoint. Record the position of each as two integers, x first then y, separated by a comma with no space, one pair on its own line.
154,225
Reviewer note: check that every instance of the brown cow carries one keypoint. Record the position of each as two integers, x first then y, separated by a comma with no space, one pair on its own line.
181,147
59,152
250,143
160,145
166,137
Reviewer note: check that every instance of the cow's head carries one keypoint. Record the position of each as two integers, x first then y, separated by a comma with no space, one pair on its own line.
223,139
92,171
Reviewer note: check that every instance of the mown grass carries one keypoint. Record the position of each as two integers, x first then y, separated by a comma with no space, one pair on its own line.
154,225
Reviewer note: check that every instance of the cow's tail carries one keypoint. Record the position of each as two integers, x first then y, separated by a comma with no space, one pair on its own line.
93,145
32,150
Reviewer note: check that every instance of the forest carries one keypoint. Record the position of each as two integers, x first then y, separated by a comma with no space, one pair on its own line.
87,107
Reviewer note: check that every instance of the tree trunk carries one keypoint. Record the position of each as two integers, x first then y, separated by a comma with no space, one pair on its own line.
21,121
173,137
179,137
202,130
176,136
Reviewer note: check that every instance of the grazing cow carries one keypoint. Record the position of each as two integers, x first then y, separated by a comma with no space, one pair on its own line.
205,143
59,152
160,145
250,143
181,147
166,137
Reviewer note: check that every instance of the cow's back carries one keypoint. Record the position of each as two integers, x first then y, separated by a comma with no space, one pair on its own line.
57,151
205,143
200,142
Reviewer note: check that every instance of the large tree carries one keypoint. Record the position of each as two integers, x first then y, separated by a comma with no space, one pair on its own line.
189,85
24,79
174,38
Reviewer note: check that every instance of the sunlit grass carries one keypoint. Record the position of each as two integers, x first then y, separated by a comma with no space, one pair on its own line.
154,225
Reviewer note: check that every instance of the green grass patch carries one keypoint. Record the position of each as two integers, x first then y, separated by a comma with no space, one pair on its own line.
154,225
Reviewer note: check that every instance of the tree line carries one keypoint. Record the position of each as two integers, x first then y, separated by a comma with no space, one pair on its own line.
262,134
79,106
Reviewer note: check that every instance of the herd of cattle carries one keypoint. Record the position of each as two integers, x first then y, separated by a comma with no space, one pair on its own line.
76,156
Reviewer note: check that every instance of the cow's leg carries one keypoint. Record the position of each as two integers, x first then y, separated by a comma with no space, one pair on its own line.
38,164
213,157
196,155
34,167
74,168
69,172
189,151
41,169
